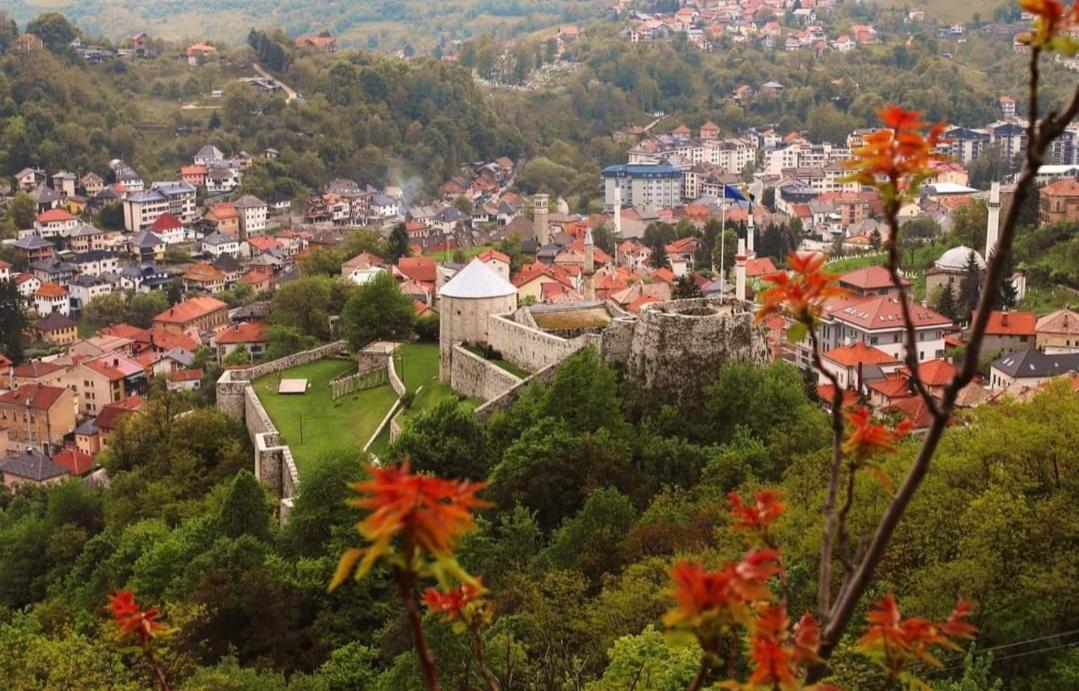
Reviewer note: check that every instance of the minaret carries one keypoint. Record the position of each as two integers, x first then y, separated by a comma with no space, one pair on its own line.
618,213
540,210
740,271
589,265
750,233
992,230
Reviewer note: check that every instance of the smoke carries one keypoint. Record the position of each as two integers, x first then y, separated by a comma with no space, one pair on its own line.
411,185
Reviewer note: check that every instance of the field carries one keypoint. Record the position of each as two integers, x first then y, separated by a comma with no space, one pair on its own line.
469,252
313,423
417,365
960,11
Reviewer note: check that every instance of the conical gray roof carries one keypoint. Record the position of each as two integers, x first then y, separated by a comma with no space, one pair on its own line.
477,281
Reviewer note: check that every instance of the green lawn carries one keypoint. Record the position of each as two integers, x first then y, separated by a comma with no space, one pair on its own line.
417,365
327,425
1045,300
504,364
845,264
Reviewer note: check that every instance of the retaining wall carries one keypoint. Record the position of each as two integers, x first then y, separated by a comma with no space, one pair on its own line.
473,376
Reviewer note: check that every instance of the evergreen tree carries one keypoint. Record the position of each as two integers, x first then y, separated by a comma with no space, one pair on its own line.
686,288
970,288
12,321
377,310
245,511
945,304
398,244
1006,296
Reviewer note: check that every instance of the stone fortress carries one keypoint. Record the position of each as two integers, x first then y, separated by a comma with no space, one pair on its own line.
668,350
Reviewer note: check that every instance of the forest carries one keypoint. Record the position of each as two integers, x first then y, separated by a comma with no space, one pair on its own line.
593,495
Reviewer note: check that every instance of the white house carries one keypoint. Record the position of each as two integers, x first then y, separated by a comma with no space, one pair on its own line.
55,223
51,298
216,244
142,209
253,214
223,179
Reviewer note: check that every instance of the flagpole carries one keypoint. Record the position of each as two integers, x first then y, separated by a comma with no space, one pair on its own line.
722,239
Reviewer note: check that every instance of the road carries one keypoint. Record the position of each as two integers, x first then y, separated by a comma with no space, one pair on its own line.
289,91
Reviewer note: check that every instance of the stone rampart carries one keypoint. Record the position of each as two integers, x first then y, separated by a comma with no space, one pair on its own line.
526,346
473,376
508,398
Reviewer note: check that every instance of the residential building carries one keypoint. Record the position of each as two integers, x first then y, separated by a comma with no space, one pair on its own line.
170,229
1009,332
38,414
253,213
320,44
85,288
87,238
1058,332
55,223
648,186
92,183
142,209
222,179
147,246
33,248
217,244
57,329
30,467
201,313
106,379
250,336
871,280
208,155
204,277
1030,368
222,218
51,298
1059,202
96,262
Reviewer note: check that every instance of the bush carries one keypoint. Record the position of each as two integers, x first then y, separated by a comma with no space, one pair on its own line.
427,328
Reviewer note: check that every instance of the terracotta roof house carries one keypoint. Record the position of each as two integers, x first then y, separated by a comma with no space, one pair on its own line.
37,413
1008,332
1058,331
56,328
248,335
201,313
871,280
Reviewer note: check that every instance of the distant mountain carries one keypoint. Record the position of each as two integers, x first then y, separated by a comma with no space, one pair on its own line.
382,24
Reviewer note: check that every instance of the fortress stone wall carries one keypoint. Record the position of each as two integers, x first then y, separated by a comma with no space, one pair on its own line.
473,376
527,346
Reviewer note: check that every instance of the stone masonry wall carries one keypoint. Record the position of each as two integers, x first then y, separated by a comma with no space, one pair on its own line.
508,398
528,348
476,377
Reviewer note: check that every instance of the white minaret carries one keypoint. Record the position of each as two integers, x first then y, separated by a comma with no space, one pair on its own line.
540,209
992,230
740,271
751,232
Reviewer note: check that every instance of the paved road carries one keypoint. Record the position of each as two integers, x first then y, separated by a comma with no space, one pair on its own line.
292,95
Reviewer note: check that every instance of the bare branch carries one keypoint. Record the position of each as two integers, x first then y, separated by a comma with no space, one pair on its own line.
1040,135
831,525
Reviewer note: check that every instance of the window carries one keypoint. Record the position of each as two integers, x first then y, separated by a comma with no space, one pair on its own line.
873,340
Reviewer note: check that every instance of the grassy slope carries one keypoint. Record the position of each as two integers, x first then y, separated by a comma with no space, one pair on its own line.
327,425
952,11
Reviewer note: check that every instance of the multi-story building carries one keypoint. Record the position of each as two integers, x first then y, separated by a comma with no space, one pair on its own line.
51,298
647,186
142,209
1058,332
55,223
253,213
1059,202
107,379
202,313
37,415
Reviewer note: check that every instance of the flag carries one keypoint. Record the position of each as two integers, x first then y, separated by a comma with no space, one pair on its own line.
733,193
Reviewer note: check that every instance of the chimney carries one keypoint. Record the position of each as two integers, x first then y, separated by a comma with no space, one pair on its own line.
993,225
740,271
1004,319
540,203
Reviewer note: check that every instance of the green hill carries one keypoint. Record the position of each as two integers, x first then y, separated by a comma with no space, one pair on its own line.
357,23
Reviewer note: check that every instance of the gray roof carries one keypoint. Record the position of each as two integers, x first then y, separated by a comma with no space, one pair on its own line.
87,427
171,188
180,355
146,240
248,201
210,152
218,239
86,230
477,281
32,465
94,256
1031,363
63,175
32,242
54,322
43,194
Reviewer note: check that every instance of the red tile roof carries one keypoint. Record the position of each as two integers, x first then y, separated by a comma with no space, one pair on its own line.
247,332
36,369
422,269
263,242
189,310
1067,187
825,392
759,267
869,278
892,387
1011,323
494,254
640,302
663,275
186,375
166,221
38,396
111,413
54,216
125,331
937,372
859,353
51,290
913,408
881,312
74,462
530,272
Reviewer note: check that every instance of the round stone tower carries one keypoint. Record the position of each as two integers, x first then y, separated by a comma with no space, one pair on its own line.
465,303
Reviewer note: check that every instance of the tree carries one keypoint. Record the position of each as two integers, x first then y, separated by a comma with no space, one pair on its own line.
23,210
54,30
589,541
143,307
945,303
103,310
970,288
1007,294
111,217
685,288
647,661
447,440
286,340
244,510
12,321
398,243
377,310
304,305
463,204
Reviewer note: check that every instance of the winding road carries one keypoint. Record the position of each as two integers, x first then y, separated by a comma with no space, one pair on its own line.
289,91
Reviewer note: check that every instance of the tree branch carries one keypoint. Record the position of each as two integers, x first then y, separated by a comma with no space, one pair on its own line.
831,521
1039,138
405,585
